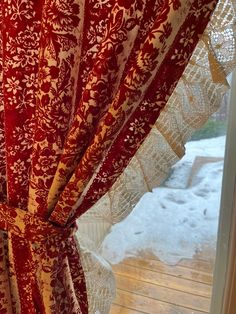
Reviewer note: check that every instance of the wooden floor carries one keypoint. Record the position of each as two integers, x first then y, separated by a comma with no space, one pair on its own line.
149,286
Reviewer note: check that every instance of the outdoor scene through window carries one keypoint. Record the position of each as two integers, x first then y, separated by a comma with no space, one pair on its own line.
163,253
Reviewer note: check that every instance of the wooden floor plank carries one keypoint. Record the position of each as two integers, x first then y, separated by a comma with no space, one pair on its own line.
167,295
177,271
117,309
163,280
148,305
197,264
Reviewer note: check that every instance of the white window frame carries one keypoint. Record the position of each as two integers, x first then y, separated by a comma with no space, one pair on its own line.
224,271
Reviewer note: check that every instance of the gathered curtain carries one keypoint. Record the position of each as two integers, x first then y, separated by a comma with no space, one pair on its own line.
82,83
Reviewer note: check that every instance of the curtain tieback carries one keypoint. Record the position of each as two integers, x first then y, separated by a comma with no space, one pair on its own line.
31,227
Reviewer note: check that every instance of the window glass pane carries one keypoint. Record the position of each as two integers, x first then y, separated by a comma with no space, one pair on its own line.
163,253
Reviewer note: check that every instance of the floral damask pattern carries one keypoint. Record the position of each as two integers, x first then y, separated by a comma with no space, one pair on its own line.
152,59
81,84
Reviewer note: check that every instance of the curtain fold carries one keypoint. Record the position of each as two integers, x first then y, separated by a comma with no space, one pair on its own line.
82,85
197,95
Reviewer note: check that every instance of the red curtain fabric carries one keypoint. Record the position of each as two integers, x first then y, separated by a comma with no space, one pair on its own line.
82,83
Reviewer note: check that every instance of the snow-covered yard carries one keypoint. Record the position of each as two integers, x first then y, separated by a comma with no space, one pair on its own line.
173,221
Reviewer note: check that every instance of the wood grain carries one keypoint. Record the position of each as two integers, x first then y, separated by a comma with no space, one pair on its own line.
150,306
149,286
197,264
164,280
117,309
176,271
164,294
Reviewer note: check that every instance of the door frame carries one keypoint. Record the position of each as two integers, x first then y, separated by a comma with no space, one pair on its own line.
224,281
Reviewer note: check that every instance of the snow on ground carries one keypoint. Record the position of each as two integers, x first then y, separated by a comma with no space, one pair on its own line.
174,222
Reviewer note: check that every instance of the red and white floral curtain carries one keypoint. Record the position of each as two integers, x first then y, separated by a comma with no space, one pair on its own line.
81,85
